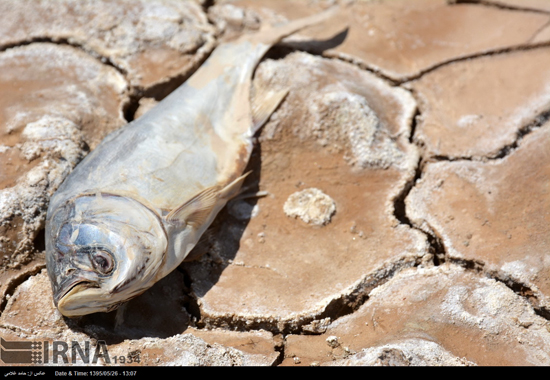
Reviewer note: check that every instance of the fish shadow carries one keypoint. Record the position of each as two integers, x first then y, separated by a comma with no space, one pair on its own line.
223,239
170,307
317,47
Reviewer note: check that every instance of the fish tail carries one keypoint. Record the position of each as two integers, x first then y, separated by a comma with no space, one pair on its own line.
267,100
253,47
270,35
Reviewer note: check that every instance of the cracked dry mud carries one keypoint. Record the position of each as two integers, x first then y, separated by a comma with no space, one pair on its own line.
423,134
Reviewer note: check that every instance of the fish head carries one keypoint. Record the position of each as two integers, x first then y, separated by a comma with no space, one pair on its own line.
101,251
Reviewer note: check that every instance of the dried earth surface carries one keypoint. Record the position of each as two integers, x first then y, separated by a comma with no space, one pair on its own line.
404,218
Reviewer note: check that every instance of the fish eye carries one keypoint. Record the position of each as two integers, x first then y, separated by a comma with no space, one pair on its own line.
102,261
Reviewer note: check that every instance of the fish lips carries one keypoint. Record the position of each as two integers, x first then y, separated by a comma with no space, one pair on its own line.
68,284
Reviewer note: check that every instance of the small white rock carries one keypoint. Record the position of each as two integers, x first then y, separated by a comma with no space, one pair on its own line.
311,205
332,341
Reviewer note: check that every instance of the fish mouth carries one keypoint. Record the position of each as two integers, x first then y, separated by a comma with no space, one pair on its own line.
69,285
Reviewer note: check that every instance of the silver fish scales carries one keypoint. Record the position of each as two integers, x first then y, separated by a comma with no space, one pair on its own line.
135,207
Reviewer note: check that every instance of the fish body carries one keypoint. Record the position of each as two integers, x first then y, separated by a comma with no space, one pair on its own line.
134,208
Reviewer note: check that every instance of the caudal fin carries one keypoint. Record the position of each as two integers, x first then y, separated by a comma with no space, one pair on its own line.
239,59
267,100
270,35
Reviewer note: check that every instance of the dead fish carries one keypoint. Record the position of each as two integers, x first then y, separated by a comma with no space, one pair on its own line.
135,207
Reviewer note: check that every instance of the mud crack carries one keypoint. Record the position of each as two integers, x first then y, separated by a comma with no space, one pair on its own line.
309,323
521,289
486,53
66,42
495,4
436,247
505,150
134,93
11,285
435,240
538,122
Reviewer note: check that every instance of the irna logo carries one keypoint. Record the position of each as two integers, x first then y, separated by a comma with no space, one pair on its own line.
56,352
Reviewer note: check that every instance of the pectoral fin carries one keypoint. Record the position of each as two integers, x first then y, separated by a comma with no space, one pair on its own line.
234,187
198,209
